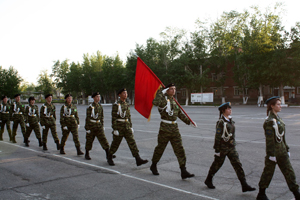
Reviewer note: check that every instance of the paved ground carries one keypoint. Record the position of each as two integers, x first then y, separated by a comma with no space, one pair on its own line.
31,173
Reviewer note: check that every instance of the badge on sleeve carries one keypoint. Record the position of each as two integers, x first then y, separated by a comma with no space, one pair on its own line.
219,130
269,132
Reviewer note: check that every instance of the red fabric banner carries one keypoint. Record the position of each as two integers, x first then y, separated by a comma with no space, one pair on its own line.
146,86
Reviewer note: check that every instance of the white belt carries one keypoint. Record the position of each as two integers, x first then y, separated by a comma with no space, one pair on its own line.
34,115
5,112
49,116
169,122
19,113
95,121
69,116
122,120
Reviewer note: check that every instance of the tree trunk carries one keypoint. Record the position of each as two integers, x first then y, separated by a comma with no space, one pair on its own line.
260,101
282,94
186,97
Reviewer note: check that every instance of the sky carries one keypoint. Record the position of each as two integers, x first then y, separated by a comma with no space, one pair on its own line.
35,33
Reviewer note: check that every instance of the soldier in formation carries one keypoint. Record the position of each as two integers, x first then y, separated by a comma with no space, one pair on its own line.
5,118
17,116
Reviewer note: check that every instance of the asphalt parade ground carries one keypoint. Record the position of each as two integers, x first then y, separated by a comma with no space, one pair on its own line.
31,173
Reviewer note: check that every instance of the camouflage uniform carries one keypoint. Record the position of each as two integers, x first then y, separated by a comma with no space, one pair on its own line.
169,132
17,116
122,123
94,122
69,118
32,117
276,147
226,147
5,118
48,119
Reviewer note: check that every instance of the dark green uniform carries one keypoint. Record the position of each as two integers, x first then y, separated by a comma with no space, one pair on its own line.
69,118
169,131
5,119
121,121
17,116
276,147
32,117
48,120
225,145
95,124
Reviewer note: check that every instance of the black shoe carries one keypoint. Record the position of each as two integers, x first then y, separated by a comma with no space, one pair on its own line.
262,197
40,142
153,168
110,160
297,195
79,152
140,161
13,140
62,150
57,145
185,174
208,182
246,187
26,142
87,155
45,147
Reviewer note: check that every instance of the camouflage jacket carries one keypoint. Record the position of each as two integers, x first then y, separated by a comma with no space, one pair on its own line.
228,142
5,111
17,111
161,100
69,116
122,114
32,114
275,145
47,114
94,117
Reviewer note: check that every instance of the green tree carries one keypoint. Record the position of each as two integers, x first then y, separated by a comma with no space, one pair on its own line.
45,84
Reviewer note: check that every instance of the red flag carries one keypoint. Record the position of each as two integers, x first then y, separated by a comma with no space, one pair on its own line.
146,86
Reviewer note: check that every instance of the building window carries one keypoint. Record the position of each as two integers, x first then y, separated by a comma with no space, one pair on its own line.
213,77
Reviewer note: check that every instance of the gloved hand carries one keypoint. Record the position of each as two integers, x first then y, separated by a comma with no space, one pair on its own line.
164,91
43,127
132,130
289,154
88,131
273,158
116,133
218,154
65,128
194,126
27,124
78,126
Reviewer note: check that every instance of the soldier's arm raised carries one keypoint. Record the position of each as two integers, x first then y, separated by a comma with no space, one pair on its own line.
159,99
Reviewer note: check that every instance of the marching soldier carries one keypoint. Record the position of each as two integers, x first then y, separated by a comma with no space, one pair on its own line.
17,116
5,118
169,131
94,126
225,146
48,121
277,151
69,122
122,127
32,121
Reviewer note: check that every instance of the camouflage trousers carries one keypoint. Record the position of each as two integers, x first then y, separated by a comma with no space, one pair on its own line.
99,133
65,135
175,139
233,156
15,127
53,132
36,128
7,123
286,168
127,133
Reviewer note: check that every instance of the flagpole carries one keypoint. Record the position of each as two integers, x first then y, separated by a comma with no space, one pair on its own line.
164,87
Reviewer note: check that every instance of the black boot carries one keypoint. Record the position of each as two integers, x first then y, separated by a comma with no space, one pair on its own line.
57,145
10,137
185,174
246,187
40,142
45,146
1,138
208,182
62,150
110,160
153,168
13,139
26,142
262,194
87,155
140,161
79,152
297,195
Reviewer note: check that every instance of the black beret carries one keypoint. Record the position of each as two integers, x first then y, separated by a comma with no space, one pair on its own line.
67,95
48,95
170,85
269,99
17,95
3,97
95,94
30,98
122,90
225,105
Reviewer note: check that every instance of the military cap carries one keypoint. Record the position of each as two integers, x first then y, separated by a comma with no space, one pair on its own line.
16,95
67,95
95,94
48,95
224,105
30,98
122,90
269,99
170,85
3,97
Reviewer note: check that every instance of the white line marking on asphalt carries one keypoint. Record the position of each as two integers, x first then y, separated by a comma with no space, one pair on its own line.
117,172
